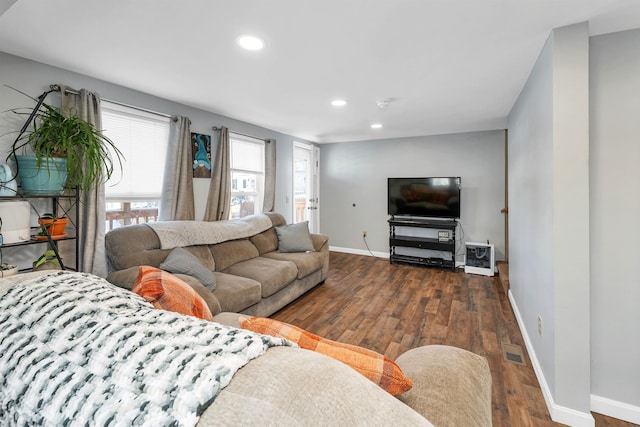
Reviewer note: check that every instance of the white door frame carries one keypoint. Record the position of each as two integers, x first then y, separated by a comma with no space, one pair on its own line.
314,211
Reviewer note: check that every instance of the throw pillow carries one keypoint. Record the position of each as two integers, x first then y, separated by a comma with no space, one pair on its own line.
375,366
167,292
182,261
294,238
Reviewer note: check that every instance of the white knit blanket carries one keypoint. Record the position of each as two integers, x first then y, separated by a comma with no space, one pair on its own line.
188,233
76,350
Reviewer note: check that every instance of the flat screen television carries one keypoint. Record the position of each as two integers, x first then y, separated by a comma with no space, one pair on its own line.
433,197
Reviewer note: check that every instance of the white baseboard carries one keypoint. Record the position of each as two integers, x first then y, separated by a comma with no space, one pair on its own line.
359,252
558,413
615,409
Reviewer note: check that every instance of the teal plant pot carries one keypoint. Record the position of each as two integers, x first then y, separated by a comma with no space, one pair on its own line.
49,178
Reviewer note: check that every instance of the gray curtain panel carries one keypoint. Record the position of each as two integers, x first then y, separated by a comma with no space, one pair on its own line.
177,189
218,202
91,224
269,175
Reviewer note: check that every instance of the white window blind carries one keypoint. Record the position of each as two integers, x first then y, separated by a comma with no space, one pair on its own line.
143,138
247,175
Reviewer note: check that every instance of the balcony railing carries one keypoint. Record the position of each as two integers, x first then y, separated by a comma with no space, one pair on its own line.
301,207
127,216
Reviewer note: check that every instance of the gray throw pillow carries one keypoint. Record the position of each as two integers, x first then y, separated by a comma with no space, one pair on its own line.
182,261
294,238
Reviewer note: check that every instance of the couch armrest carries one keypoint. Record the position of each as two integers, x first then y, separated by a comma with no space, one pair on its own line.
319,241
321,244
451,386
127,277
124,278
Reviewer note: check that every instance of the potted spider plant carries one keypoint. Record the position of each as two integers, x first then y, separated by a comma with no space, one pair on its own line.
63,151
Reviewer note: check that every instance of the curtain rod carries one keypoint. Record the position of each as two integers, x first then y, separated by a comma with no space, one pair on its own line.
216,129
57,88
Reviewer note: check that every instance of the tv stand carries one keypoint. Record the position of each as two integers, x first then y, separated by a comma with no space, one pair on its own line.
436,244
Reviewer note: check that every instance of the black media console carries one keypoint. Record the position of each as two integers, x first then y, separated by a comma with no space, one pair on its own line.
442,243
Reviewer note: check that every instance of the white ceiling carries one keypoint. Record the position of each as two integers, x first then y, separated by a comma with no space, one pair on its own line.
448,65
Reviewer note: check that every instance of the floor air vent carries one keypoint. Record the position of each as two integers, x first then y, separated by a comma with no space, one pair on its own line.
513,353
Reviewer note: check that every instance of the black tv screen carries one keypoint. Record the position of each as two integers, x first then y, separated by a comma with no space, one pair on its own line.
426,197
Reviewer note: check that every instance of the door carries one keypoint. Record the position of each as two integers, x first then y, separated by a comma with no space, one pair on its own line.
306,203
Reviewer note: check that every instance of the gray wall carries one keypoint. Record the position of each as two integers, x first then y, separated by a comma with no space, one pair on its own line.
549,219
33,78
568,261
357,172
615,210
530,208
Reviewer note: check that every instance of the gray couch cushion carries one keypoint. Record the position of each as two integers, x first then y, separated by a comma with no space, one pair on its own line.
236,293
294,238
306,263
267,241
272,274
203,253
182,261
232,252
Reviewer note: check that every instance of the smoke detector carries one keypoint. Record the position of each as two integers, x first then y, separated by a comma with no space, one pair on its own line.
383,103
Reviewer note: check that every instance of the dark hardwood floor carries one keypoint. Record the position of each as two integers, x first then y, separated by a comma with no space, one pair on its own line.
392,308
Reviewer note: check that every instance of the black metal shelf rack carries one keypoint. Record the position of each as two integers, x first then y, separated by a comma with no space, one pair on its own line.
57,207
449,245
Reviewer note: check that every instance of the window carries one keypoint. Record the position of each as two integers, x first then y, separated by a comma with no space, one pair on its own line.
247,175
133,195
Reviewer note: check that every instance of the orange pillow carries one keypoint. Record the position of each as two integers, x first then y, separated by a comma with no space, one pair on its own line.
166,291
375,366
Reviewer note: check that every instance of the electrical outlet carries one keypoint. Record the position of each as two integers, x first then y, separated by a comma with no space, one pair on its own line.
364,234
539,325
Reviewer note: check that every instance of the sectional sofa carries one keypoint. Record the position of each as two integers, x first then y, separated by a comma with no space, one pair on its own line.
250,272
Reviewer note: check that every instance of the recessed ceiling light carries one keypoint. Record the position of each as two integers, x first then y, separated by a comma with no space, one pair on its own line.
376,126
338,102
250,42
